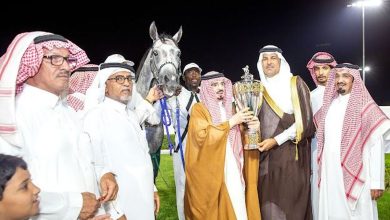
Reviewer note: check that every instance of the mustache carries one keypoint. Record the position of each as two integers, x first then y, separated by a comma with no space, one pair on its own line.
340,84
64,72
341,91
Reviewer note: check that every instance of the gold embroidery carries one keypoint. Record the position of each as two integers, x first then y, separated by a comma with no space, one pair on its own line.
272,104
296,108
297,113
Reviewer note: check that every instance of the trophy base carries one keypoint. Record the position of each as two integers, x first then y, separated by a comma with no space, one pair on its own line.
252,140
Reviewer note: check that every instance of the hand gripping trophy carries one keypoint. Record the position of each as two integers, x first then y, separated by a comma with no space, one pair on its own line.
249,93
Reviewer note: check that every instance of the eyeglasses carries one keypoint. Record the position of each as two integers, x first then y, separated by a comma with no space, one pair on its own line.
58,60
121,79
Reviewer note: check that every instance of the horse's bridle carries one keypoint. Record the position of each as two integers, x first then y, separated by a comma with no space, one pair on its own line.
156,70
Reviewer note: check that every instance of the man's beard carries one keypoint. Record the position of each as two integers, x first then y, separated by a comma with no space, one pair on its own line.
125,99
341,91
220,95
321,80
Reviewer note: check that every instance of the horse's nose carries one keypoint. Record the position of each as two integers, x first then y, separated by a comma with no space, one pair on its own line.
168,69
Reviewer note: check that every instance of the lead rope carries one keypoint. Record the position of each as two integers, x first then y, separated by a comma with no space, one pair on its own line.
166,121
178,132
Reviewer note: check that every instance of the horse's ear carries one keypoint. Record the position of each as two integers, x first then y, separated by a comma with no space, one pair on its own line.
177,36
153,31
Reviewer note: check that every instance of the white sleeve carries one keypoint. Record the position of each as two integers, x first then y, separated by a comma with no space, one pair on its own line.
60,205
288,134
171,104
147,112
143,109
386,142
377,164
96,155
113,209
91,142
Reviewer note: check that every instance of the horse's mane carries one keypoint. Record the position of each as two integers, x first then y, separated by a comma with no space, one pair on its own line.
141,63
164,38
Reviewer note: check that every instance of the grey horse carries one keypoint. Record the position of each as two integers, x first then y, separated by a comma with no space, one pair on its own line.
160,65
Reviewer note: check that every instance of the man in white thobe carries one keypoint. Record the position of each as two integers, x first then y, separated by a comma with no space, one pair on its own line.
184,101
79,82
44,130
113,132
319,67
351,142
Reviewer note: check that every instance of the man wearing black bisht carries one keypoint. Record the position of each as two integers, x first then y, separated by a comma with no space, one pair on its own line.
286,127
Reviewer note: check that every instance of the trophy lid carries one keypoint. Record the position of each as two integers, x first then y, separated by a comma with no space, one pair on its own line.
247,77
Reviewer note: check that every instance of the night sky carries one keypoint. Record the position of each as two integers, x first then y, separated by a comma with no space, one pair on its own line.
221,36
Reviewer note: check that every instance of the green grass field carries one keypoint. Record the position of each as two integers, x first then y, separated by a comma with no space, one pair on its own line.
166,189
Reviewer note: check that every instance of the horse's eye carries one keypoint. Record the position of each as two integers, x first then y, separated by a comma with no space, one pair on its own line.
155,52
178,53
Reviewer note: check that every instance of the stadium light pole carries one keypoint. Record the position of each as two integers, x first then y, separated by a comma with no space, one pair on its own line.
363,4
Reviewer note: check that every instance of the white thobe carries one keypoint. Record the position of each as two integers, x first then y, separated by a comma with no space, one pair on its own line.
232,175
278,94
50,133
114,134
178,170
144,114
316,97
332,199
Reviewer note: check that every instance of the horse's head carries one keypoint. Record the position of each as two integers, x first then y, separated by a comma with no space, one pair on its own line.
165,60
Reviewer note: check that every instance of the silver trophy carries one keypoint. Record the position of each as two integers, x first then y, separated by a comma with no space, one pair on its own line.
249,93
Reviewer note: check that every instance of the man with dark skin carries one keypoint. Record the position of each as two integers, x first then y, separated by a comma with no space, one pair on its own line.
185,99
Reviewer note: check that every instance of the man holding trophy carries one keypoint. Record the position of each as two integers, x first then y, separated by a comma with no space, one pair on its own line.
248,93
215,186
286,128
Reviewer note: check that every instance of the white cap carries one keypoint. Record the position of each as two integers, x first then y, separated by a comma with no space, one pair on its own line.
191,65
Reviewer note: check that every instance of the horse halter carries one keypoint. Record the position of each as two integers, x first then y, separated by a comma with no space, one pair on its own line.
156,70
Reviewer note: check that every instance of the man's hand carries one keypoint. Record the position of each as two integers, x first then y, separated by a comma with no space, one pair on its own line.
376,194
154,94
267,144
108,187
90,206
242,116
156,203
